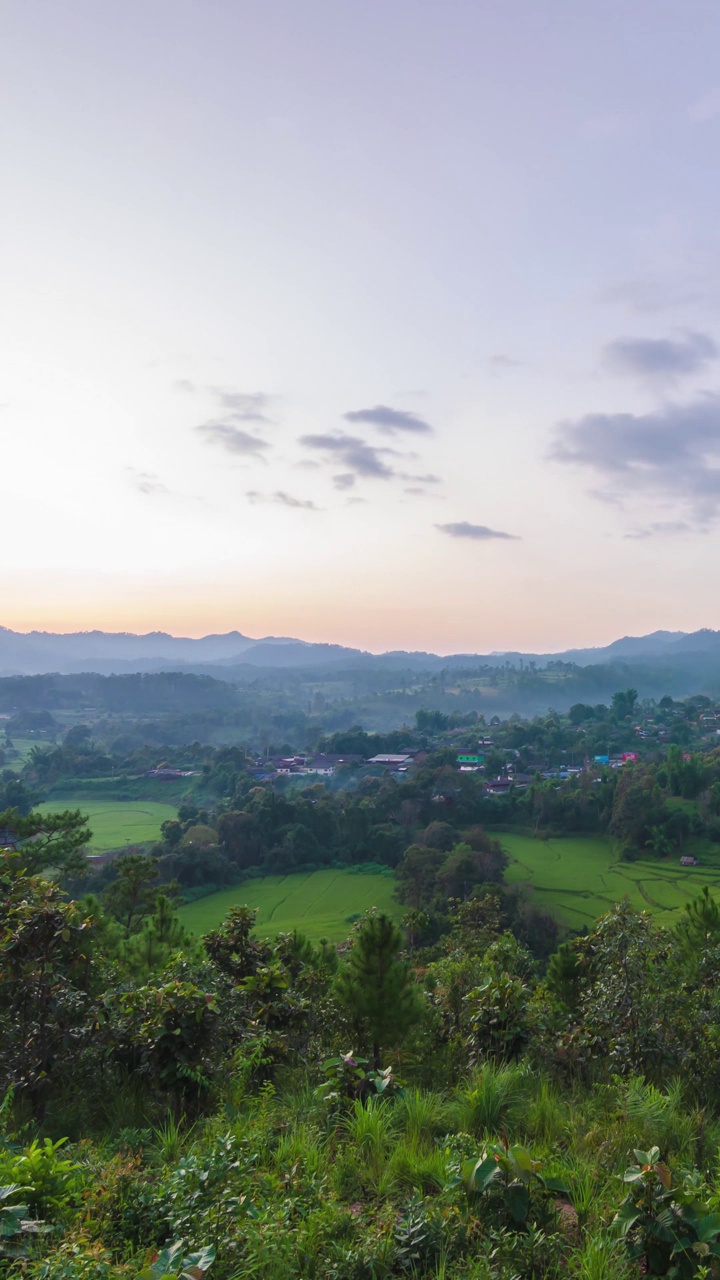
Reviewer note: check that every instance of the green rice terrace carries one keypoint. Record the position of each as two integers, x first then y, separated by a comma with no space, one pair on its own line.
115,825
579,878
320,904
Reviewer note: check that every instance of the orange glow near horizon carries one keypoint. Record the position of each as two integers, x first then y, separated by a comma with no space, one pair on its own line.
378,629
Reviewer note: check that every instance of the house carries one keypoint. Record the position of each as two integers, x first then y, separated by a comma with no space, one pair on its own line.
501,786
323,766
393,763
688,861
326,766
168,775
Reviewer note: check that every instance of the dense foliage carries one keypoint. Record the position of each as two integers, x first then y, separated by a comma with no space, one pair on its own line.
473,1093
399,1106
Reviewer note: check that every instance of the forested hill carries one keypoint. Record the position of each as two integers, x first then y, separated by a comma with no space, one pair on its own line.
297,703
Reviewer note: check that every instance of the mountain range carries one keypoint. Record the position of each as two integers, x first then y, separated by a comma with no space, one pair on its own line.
39,652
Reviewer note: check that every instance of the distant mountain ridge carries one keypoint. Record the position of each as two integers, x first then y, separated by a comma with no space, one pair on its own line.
41,652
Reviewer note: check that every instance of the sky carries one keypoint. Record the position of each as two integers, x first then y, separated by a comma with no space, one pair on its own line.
391,323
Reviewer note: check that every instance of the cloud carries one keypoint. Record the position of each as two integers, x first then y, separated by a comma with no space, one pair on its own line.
232,438
243,406
502,361
146,481
284,500
389,420
358,457
672,454
478,532
648,296
660,358
344,481
706,108
184,384
239,410
660,529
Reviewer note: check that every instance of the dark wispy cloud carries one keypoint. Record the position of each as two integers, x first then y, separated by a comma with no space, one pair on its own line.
478,532
648,296
283,499
146,481
660,529
238,411
234,439
502,361
390,421
354,454
661,359
671,454
243,406
344,481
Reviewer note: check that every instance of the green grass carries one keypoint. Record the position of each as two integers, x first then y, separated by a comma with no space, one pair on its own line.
117,824
580,877
18,753
316,903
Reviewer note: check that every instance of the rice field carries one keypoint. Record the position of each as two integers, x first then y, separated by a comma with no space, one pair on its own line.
115,825
580,878
319,904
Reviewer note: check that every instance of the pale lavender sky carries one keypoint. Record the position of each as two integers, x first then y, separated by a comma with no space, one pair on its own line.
394,324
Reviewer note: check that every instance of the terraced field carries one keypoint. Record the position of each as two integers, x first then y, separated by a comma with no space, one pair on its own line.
318,903
580,878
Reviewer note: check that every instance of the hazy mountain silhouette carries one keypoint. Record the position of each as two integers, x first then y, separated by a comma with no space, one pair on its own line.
38,652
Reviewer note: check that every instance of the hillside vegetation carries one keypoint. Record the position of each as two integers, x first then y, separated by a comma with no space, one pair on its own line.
251,1108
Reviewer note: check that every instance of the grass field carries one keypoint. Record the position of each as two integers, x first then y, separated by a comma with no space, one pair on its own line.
18,753
116,824
316,903
580,878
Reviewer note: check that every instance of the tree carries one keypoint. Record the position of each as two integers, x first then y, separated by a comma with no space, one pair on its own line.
239,837
438,835
172,832
232,949
623,704
376,987
637,808
700,926
417,874
45,975
629,1007
461,871
54,840
159,939
430,721
133,895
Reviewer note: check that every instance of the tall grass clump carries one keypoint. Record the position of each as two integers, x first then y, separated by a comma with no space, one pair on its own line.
413,1168
492,1100
545,1117
423,1116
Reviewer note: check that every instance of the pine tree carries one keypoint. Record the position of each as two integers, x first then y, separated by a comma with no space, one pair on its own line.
376,987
